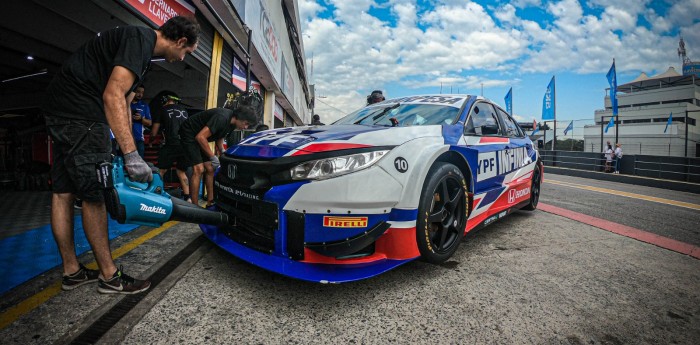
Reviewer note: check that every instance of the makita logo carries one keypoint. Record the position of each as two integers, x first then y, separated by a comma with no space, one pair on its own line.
517,194
152,209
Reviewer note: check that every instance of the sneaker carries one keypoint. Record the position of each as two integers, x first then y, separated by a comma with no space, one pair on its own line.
78,204
82,277
122,284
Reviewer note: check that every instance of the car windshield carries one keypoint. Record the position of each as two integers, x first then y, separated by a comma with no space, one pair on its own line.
402,115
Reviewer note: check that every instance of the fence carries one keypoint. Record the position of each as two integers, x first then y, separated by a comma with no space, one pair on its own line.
669,168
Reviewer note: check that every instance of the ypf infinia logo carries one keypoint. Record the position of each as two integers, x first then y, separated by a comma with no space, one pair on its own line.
231,172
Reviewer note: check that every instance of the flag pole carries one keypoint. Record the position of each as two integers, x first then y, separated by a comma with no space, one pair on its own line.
617,120
554,94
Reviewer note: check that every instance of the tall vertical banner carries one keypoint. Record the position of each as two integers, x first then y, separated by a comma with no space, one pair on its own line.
612,80
265,37
548,102
509,101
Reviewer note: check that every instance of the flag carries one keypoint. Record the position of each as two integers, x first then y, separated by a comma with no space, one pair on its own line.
670,119
535,127
548,102
509,101
612,80
610,124
570,127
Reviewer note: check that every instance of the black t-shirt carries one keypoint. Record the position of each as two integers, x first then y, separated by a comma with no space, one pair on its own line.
76,90
217,119
171,117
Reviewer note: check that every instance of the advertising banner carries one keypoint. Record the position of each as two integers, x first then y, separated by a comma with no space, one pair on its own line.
159,11
287,81
238,73
265,37
278,112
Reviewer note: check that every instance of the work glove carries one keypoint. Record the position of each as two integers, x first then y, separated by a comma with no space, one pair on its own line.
215,162
137,169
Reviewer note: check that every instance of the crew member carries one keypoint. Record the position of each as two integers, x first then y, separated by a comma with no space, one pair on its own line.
89,95
210,126
171,117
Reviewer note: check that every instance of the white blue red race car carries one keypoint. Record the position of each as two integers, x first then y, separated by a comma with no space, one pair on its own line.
395,181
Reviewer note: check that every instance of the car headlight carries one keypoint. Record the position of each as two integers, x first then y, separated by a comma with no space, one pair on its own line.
335,166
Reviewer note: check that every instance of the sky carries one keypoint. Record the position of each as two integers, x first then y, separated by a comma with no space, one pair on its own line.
411,47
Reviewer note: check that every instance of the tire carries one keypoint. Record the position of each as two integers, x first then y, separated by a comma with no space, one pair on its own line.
440,225
535,188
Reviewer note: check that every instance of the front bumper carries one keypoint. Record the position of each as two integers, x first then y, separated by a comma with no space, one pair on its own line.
306,270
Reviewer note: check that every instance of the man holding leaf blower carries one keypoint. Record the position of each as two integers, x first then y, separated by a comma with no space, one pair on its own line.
89,96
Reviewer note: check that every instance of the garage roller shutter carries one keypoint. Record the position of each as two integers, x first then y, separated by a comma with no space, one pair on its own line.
205,42
226,62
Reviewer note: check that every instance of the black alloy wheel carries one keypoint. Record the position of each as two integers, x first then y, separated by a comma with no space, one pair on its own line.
535,188
442,213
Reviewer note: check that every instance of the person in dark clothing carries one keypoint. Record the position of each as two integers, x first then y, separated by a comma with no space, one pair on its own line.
210,126
317,121
88,96
170,118
375,97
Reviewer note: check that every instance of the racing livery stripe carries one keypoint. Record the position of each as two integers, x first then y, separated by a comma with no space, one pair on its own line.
401,215
395,244
494,140
322,147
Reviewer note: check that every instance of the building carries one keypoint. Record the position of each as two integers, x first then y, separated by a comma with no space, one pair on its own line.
644,107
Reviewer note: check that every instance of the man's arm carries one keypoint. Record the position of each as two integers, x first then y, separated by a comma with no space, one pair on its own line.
146,119
117,108
202,138
220,145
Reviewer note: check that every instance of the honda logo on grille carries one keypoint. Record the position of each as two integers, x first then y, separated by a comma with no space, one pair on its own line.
232,171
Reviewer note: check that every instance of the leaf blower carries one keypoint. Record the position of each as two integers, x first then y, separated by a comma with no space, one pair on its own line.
148,204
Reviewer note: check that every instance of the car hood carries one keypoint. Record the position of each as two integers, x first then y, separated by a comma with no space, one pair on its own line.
293,141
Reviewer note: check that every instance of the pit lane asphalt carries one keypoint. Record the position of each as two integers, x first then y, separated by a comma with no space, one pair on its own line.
529,278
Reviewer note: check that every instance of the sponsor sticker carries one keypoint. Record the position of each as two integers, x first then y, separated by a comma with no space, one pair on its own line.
345,222
515,194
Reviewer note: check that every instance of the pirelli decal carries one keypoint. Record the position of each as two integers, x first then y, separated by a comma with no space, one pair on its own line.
345,222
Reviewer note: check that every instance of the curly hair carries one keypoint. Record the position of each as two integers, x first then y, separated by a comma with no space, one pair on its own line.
181,26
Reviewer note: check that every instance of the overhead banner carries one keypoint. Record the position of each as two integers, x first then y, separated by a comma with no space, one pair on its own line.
278,112
265,37
238,73
159,11
287,81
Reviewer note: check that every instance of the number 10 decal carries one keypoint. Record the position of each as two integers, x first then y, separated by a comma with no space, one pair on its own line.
401,164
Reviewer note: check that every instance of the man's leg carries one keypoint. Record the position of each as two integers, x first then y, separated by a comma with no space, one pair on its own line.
197,171
209,181
182,176
62,228
95,226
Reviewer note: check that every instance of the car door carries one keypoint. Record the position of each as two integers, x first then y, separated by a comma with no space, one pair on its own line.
514,161
485,134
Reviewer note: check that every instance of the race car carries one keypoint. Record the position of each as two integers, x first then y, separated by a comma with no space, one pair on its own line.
395,181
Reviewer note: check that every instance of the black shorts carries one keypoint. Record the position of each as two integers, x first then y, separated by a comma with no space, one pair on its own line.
78,146
193,153
172,154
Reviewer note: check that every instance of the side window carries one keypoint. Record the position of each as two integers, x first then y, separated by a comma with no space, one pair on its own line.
482,121
512,128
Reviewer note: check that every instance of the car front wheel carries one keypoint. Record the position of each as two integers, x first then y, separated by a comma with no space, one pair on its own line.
442,213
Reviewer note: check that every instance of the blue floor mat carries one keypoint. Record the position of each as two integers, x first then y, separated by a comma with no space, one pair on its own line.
33,252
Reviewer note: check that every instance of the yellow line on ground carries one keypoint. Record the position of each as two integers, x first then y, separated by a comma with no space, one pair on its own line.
10,315
626,194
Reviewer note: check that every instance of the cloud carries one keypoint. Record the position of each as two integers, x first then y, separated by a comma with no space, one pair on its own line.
465,44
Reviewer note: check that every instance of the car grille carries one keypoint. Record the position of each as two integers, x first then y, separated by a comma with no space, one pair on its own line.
254,221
